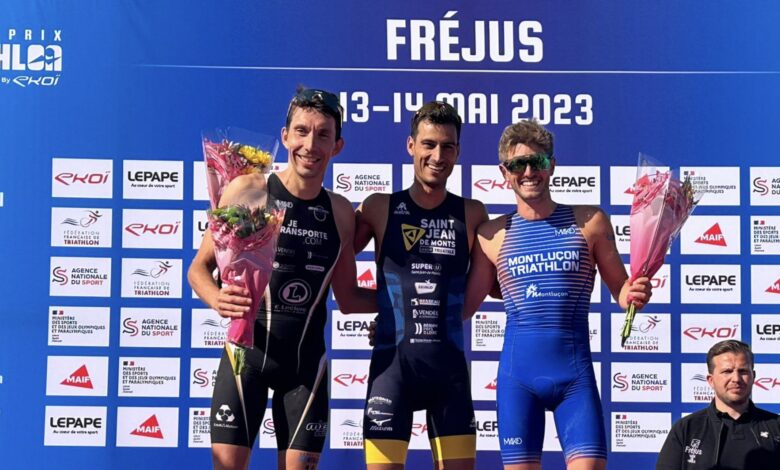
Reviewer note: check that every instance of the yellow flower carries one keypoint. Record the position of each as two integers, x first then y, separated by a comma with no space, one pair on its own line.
255,155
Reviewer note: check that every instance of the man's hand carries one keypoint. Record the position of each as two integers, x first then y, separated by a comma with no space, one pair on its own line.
639,292
371,332
233,301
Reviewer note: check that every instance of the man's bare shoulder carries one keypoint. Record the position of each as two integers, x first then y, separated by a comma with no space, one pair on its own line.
339,203
245,189
490,228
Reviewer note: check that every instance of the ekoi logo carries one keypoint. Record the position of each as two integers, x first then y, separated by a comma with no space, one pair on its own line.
129,327
620,382
86,221
59,275
149,428
160,270
411,235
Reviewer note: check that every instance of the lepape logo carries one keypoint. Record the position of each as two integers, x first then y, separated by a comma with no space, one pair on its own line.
75,426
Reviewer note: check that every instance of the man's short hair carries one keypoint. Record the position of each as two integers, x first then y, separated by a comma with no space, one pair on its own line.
436,112
324,102
728,346
524,132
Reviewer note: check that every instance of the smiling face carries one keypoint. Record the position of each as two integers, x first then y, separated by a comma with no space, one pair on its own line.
530,184
435,150
731,379
310,140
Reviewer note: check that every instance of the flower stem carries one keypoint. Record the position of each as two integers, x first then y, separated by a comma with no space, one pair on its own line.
626,332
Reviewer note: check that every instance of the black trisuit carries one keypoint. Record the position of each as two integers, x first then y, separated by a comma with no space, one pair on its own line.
289,352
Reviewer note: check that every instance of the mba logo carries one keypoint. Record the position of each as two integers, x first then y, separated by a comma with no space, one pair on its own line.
411,235
513,441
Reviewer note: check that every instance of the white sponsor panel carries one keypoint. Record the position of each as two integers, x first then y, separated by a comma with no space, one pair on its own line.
349,378
148,377
151,278
621,183
147,427
487,331
650,333
79,326
694,387
766,387
350,331
82,177
454,182
153,179
75,426
487,430
152,228
710,235
576,185
81,227
484,378
200,191
77,376
765,284
765,333
199,428
203,375
267,435
419,438
594,331
356,181
641,382
765,186
765,235
551,441
366,274
621,224
639,432
489,186
710,284
80,277
717,186
209,329
150,328
346,429
700,331
199,226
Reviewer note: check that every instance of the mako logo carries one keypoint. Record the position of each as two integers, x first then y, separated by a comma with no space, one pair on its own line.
82,178
513,441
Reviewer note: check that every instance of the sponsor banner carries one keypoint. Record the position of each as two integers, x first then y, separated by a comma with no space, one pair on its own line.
710,284
77,376
82,177
766,387
80,277
82,227
700,331
267,435
209,329
147,427
710,235
346,429
639,432
717,186
645,382
487,331
594,331
203,376
765,235
153,228
487,430
454,182
765,186
695,388
621,224
200,224
551,441
350,331
576,185
151,278
356,181
765,333
199,428
419,438
153,179
150,328
148,377
650,333
366,274
621,184
83,426
488,185
349,378
200,190
484,378
79,326
765,284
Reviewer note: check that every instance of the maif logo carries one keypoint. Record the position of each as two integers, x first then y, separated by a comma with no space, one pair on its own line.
33,56
149,428
76,376
79,378
713,236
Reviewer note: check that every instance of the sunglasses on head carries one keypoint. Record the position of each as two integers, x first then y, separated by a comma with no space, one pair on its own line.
313,95
537,162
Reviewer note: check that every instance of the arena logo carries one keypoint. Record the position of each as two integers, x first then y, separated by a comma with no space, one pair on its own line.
34,56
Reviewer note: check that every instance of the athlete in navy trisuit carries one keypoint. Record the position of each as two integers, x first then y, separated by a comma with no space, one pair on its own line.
545,256
314,251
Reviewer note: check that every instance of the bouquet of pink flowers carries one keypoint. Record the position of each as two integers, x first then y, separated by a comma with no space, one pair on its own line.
244,237
661,206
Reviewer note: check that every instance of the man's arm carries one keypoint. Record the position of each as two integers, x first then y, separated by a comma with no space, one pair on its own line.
670,457
482,270
350,297
370,219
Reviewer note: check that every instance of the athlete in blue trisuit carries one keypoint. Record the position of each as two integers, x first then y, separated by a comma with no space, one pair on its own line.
545,255
423,238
